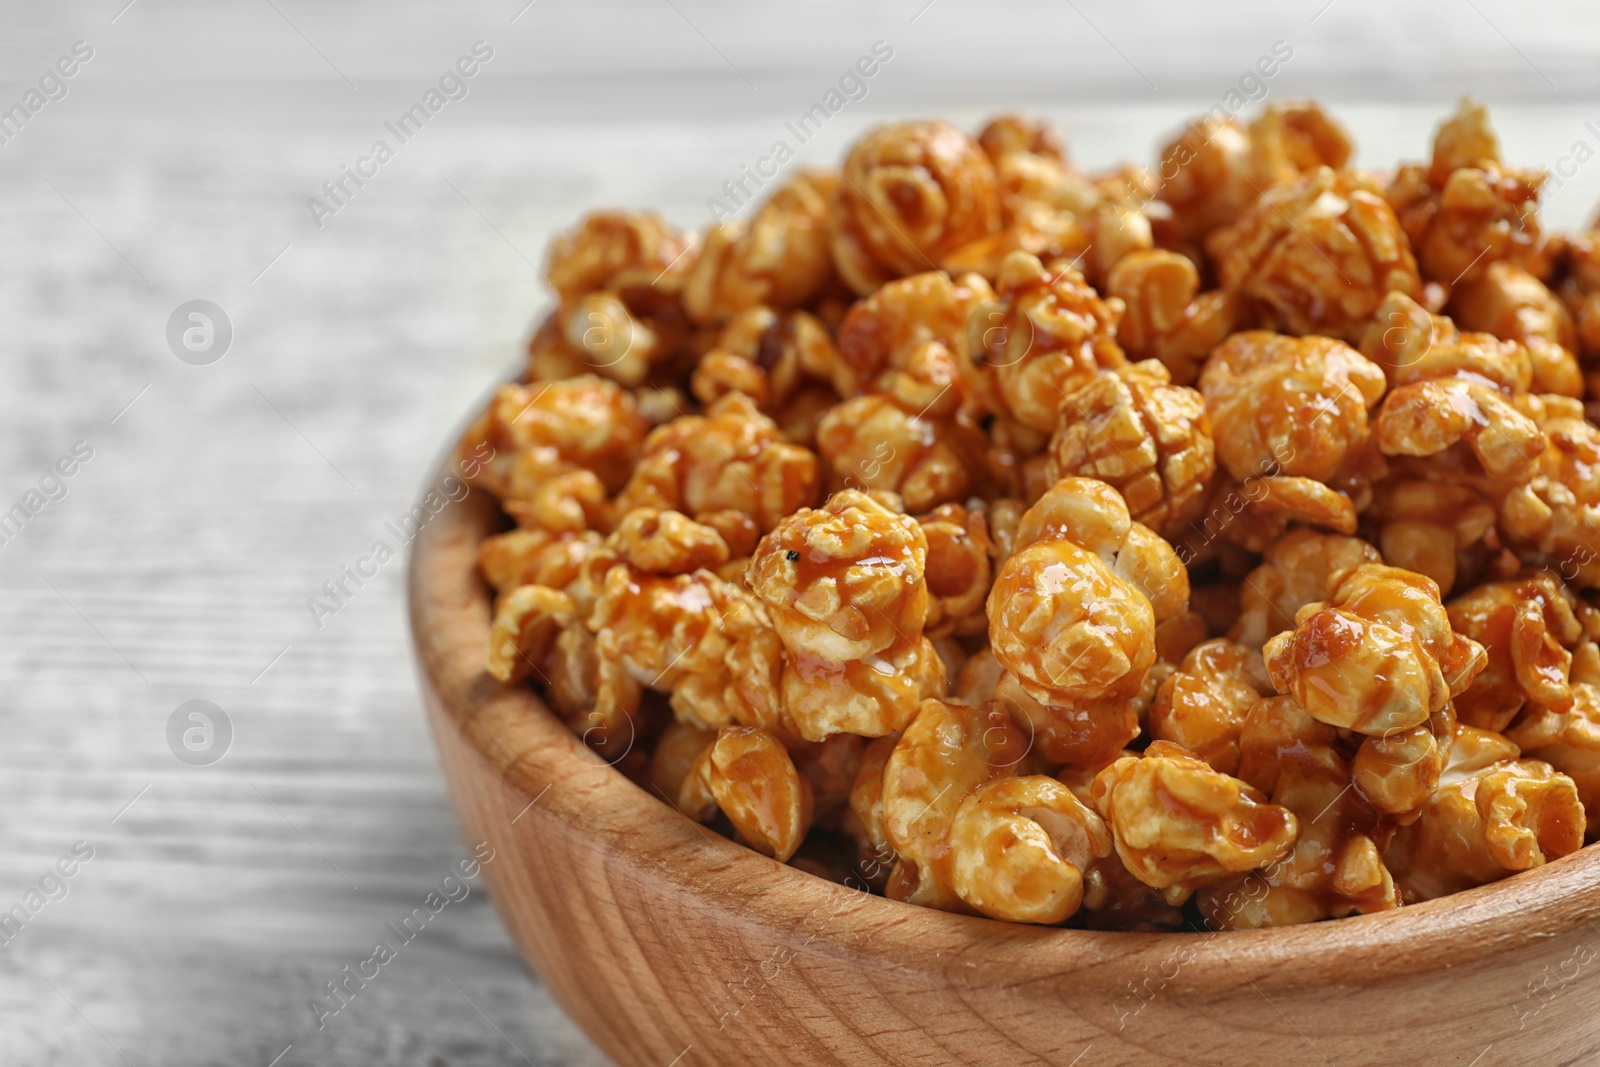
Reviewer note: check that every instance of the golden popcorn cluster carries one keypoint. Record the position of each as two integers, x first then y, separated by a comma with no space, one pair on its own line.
1215,550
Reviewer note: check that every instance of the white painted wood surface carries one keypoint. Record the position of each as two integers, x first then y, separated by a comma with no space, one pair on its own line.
219,498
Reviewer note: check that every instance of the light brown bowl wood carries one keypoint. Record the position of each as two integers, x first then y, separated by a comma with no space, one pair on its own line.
672,946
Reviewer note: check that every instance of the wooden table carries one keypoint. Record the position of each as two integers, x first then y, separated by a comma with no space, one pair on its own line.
220,899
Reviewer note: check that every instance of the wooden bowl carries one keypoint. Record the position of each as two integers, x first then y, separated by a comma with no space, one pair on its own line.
670,945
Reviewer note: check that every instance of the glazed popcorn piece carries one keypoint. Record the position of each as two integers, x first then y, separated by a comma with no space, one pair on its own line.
1493,815
667,543
1178,824
1433,528
1412,344
585,422
1336,867
1397,772
534,557
1426,418
1528,626
526,621
1202,707
780,259
1568,739
905,341
1207,176
846,588
748,775
732,457
1466,211
1047,333
1147,438
959,572
1083,732
674,756
1299,569
946,752
872,443
1291,406
614,251
909,193
1073,611
1031,168
1020,846
1292,138
1378,655
1167,317
1553,519
1510,303
875,856
1316,256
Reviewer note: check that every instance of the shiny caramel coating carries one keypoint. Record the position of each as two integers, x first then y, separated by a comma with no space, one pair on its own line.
1045,334
909,193
1336,867
946,752
1493,815
1528,626
731,457
1295,406
780,259
1179,824
1073,611
1568,739
1167,317
1466,210
871,443
1148,438
748,775
1378,655
1203,705
1298,569
1019,848
1316,256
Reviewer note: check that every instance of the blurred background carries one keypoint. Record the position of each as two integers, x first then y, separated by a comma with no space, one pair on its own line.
239,860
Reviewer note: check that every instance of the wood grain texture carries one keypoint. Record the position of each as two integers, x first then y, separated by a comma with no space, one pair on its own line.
659,938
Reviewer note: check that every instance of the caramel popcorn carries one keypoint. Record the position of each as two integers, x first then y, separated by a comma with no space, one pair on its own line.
1377,655
1567,738
732,457
779,260
1299,569
613,251
1493,815
1073,611
1513,305
946,752
1167,317
1553,519
908,194
871,443
1466,211
1295,406
1202,706
1019,848
862,530
748,775
1528,627
1148,438
1178,824
1336,867
1316,256
1046,334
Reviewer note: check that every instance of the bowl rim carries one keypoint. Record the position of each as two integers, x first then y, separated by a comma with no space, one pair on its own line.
571,791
